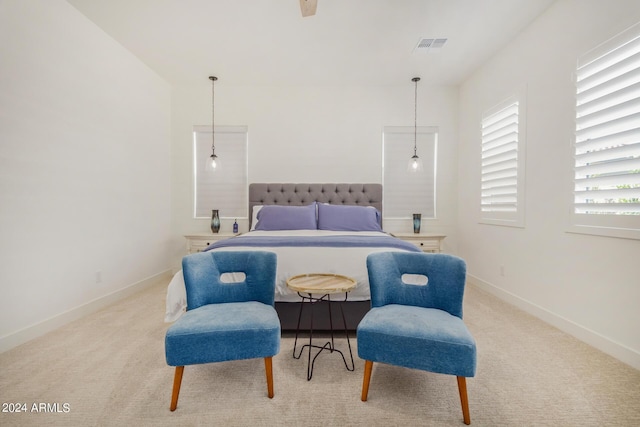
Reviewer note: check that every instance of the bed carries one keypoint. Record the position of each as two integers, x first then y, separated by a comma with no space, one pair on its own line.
313,228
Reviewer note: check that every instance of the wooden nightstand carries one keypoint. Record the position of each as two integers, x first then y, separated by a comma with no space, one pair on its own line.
199,242
426,242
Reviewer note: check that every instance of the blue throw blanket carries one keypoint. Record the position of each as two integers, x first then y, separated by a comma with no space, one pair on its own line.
320,241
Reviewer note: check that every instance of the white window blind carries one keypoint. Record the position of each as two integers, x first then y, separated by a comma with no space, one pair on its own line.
226,188
607,136
406,193
502,170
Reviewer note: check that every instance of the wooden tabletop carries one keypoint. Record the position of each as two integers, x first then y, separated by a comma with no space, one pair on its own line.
317,283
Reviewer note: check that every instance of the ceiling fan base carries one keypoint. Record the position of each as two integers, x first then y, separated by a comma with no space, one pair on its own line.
308,7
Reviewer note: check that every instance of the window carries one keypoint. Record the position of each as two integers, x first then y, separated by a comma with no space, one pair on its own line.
226,188
406,193
606,193
502,170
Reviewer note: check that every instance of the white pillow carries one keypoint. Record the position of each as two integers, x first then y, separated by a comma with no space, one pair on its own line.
254,216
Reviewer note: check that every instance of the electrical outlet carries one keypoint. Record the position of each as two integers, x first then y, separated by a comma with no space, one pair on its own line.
98,277
502,270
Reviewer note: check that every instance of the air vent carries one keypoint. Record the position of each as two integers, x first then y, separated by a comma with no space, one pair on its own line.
430,45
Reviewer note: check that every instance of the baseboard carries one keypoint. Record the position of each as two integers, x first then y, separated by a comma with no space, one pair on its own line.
27,334
602,343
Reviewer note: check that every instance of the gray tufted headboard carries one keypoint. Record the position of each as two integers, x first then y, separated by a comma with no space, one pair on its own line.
304,194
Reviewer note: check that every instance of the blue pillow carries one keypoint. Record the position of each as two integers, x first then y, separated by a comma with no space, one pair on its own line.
275,217
348,218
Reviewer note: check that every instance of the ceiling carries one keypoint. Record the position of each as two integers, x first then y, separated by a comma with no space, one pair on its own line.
347,42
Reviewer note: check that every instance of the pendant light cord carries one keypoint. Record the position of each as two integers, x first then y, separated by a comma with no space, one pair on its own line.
415,121
415,117
213,115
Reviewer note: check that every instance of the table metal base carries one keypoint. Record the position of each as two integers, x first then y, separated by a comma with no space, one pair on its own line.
329,345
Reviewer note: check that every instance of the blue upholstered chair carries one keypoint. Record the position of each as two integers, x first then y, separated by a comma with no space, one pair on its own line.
417,325
225,320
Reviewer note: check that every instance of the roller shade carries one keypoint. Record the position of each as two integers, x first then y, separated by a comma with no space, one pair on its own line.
226,189
406,193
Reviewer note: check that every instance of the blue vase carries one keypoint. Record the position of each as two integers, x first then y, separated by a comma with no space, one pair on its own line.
215,221
417,219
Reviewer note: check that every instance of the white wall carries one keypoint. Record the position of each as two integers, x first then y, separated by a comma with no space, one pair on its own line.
314,134
587,285
84,161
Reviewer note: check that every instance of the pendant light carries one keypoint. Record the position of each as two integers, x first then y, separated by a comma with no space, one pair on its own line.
415,163
214,160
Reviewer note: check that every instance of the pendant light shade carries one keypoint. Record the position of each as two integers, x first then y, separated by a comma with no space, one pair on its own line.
213,159
415,162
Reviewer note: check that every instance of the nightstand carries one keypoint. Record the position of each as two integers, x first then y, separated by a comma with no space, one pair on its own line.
199,242
426,242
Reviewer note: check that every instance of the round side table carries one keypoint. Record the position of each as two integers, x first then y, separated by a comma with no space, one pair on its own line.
322,285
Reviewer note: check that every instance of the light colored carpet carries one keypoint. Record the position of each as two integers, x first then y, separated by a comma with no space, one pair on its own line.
109,368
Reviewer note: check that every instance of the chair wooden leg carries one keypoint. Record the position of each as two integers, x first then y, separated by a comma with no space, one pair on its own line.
269,370
462,388
177,380
368,366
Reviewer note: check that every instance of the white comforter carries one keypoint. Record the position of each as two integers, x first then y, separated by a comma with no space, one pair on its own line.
348,261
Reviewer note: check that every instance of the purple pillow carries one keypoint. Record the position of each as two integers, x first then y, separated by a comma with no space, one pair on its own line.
348,218
276,217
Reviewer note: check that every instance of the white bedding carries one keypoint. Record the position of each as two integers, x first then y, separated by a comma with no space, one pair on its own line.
348,261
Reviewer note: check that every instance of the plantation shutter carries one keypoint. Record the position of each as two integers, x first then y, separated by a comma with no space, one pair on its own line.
502,167
500,161
607,138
